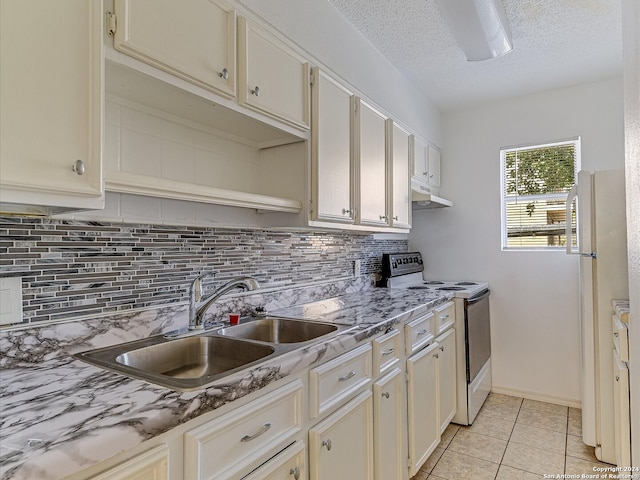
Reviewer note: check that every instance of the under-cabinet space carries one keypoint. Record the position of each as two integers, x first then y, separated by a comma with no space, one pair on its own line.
148,152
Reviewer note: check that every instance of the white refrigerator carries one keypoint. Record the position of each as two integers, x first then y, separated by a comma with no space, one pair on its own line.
598,202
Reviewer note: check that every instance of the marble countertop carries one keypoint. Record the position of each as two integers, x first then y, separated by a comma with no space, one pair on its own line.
59,416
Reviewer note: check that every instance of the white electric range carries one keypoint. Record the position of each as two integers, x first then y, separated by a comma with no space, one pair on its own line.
473,330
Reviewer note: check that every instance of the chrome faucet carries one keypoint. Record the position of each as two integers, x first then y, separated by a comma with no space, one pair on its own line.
196,314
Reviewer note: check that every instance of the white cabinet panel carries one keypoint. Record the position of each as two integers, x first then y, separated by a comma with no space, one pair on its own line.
400,205
433,164
422,402
290,464
342,445
222,447
51,91
622,422
151,465
371,150
447,377
194,40
331,150
389,426
273,79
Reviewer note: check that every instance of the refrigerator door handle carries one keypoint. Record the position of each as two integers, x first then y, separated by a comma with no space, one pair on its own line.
571,196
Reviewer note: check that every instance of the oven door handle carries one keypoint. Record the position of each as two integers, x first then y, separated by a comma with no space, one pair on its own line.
477,298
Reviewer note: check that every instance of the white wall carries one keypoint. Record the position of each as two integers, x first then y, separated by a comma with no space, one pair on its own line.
328,38
534,302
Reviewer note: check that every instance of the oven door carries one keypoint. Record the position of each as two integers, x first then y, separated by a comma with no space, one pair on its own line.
477,333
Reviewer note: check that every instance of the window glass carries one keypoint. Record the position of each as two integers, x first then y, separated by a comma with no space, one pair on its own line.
535,182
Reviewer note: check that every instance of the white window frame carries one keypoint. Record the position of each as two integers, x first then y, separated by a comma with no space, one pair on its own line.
553,196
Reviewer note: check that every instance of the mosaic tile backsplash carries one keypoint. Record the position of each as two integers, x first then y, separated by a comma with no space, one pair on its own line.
77,269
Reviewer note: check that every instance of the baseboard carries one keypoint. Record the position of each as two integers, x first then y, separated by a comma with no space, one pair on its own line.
537,396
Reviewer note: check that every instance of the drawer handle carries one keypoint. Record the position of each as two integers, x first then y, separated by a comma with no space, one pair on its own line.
421,332
348,376
444,317
248,438
388,352
327,443
385,394
295,472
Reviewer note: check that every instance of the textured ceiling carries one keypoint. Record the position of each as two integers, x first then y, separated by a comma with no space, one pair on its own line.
557,43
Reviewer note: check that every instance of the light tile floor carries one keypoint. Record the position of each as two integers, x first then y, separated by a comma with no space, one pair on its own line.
512,439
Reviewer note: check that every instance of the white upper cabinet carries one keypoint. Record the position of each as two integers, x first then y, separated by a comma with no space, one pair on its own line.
331,150
273,79
194,40
51,91
400,205
426,166
371,155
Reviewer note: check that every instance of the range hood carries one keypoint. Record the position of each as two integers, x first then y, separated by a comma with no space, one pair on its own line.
421,200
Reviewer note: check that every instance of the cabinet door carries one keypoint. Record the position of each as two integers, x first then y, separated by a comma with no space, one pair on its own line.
342,445
420,167
372,165
389,427
621,412
447,377
400,205
51,92
422,401
151,465
194,40
433,166
290,464
331,150
273,79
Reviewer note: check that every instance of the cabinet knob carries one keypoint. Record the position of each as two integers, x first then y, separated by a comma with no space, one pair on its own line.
425,173
327,443
255,91
224,74
396,218
385,394
79,167
441,348
295,472
383,217
615,334
346,211
617,378
435,355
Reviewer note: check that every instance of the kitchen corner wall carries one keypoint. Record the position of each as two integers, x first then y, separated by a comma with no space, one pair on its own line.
534,295
74,269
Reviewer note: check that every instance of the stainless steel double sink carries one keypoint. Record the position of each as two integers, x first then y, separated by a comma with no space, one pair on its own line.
195,361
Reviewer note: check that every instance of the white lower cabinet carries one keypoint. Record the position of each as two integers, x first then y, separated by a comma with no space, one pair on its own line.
447,377
151,465
341,446
621,412
290,464
226,447
422,406
389,427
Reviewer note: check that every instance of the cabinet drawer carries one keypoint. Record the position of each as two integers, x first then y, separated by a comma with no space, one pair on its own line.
386,352
290,464
444,318
220,448
418,333
621,339
335,381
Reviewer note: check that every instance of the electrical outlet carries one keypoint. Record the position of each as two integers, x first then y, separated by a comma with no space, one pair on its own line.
10,300
357,268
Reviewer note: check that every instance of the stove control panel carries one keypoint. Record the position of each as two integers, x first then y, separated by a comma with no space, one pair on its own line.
396,264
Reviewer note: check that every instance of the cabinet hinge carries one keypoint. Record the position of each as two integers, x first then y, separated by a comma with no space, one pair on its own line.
312,79
112,23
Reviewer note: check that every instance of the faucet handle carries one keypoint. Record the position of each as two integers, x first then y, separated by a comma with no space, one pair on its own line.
197,289
261,312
